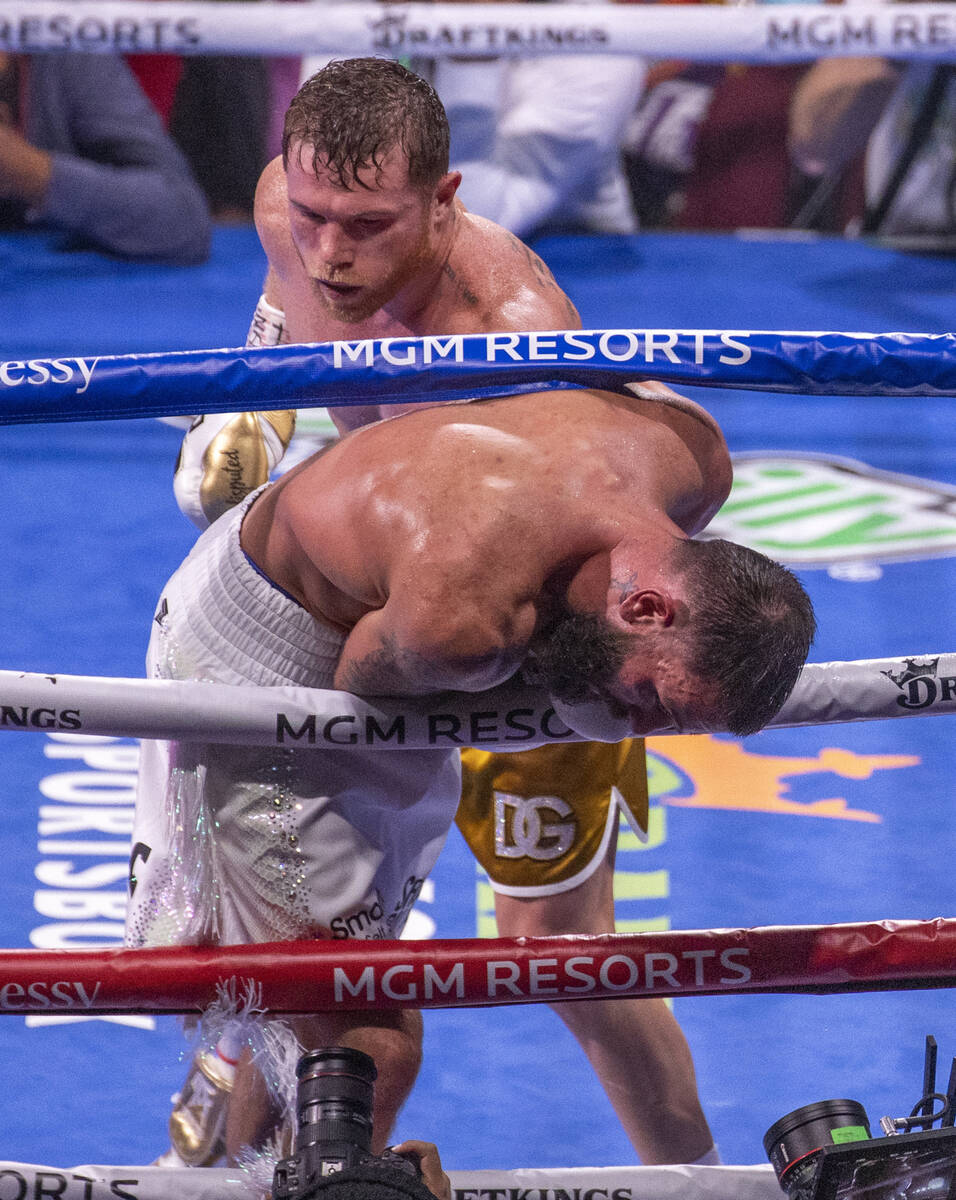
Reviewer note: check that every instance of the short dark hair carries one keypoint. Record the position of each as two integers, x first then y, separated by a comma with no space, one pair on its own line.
752,625
355,110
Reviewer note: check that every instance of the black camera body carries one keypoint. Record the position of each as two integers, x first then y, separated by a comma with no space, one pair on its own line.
906,1166
825,1151
334,1125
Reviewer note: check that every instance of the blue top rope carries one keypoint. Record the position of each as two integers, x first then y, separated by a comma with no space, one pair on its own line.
450,367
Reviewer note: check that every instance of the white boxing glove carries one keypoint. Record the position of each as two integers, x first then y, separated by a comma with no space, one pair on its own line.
593,720
225,456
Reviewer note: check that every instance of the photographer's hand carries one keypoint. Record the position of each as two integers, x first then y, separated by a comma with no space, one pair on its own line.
433,1175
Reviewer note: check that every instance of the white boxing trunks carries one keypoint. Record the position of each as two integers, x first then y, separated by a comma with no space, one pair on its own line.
235,844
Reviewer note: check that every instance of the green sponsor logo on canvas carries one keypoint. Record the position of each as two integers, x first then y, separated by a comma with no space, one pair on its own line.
816,511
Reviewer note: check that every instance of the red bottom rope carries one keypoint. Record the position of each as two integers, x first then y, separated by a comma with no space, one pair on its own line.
296,977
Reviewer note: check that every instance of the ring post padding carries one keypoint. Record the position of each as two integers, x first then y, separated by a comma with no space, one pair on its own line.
307,977
463,366
699,32
510,717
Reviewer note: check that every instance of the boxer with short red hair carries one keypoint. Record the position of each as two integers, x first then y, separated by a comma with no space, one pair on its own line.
365,238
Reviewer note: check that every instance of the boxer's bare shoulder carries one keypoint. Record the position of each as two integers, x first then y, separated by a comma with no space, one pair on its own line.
500,283
271,213
699,444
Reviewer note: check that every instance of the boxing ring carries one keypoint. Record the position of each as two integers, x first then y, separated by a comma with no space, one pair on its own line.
800,827
816,825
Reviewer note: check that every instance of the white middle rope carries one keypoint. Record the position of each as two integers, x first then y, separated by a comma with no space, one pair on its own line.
510,717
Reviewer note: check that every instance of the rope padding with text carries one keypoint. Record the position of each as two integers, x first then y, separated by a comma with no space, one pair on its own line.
471,366
777,33
510,717
302,977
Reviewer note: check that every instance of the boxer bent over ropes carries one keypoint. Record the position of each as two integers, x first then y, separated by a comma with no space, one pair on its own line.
449,548
365,238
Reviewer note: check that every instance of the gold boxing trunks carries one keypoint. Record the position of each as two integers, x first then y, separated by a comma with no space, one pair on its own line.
540,821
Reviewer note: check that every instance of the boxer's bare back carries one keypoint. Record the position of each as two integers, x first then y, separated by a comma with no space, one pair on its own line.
470,516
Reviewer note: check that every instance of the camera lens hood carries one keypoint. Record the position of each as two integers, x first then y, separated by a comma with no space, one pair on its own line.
792,1143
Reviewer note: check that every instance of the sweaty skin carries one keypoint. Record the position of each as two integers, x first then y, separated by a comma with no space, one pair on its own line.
352,529
371,262
439,540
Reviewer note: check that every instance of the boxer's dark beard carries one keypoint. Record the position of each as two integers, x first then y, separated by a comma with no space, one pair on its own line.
576,653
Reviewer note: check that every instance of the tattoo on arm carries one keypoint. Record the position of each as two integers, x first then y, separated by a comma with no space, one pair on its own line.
544,277
369,675
574,317
537,264
388,670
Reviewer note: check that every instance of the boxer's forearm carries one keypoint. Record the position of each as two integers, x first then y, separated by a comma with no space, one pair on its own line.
386,656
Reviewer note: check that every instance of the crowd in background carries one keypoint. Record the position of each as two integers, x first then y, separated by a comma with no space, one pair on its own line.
571,143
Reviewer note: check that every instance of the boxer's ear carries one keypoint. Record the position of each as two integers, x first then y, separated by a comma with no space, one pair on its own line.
647,606
447,186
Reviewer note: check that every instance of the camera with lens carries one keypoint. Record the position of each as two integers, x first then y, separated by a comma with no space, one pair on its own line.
825,1151
335,1091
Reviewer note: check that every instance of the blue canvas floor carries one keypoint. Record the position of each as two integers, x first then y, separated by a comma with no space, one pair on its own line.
845,823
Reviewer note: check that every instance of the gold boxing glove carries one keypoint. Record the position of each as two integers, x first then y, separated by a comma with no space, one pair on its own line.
225,456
